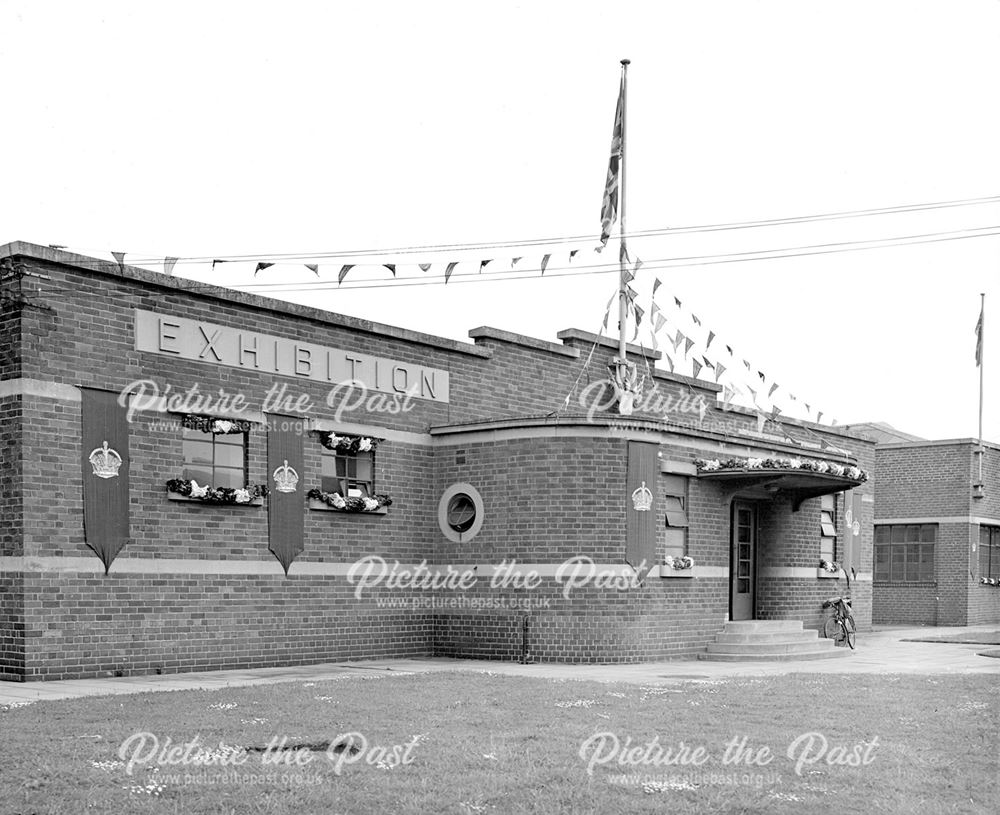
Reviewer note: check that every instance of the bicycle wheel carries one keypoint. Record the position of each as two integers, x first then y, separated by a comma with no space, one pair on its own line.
832,629
849,631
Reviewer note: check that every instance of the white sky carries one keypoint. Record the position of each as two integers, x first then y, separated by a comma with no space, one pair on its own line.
218,129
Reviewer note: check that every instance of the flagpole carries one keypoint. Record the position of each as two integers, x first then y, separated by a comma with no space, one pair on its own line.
982,350
622,282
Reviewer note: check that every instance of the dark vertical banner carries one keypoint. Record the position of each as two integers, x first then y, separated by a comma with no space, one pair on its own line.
640,506
850,557
285,481
105,460
856,505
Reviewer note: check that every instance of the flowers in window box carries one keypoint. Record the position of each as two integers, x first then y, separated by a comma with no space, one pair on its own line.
347,444
216,495
829,566
352,504
805,464
679,563
217,427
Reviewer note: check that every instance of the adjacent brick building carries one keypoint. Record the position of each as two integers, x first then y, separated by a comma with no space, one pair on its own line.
937,532
515,523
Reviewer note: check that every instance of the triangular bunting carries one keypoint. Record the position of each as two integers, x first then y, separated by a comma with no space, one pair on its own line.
711,336
449,269
761,421
313,267
656,284
483,263
660,322
670,361
391,267
678,302
696,367
774,387
424,267
120,257
218,261
688,342
261,267
720,369
572,254
513,262
695,320
343,272
545,262
168,265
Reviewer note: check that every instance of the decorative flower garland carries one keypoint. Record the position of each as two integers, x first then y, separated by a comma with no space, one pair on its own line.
804,464
216,495
347,444
829,566
679,563
337,501
990,581
217,427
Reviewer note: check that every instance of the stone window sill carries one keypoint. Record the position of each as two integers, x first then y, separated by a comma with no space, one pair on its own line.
321,506
823,574
176,496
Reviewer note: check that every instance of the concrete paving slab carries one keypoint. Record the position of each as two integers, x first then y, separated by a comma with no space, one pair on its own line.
883,650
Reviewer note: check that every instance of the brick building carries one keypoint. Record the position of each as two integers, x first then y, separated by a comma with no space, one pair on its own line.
937,532
424,496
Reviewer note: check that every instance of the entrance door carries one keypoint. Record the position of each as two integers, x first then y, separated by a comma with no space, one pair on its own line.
743,562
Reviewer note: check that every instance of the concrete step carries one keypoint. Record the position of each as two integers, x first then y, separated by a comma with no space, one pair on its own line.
762,626
804,635
832,653
769,648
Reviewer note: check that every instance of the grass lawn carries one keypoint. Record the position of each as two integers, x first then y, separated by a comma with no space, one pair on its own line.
482,743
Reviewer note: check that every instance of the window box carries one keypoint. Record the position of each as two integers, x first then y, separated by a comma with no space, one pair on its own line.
670,571
176,496
322,506
823,574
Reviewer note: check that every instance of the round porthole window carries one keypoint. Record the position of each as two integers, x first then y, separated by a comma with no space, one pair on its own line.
460,513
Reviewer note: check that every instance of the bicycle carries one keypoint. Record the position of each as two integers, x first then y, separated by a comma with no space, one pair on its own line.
840,626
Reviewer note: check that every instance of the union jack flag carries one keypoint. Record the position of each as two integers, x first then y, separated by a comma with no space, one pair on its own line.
609,207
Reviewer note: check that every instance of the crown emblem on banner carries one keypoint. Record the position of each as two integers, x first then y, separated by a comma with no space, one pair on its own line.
642,498
105,461
285,478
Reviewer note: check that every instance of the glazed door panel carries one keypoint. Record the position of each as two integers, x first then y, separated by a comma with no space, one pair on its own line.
743,562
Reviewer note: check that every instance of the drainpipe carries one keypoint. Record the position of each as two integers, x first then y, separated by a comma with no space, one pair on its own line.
525,658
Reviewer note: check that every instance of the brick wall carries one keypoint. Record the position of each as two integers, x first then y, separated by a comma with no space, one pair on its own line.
935,481
546,499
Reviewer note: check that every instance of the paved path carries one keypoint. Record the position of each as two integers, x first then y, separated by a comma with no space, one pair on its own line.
880,651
